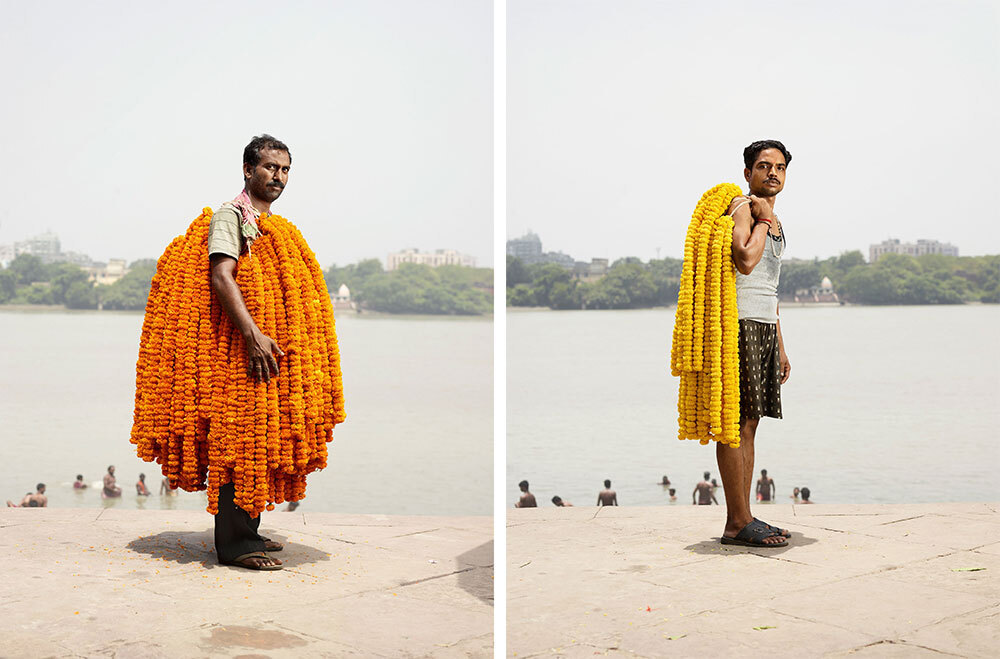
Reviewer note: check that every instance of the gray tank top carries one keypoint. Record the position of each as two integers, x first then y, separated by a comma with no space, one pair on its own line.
757,293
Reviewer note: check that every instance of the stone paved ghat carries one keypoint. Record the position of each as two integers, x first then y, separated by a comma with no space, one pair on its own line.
142,583
859,580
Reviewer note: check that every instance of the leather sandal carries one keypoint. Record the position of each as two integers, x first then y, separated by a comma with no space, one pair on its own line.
784,533
240,561
753,535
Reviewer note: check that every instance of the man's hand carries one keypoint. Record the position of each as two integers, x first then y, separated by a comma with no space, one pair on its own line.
786,366
261,364
759,208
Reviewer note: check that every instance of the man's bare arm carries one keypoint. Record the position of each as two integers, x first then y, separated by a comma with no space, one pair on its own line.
784,364
748,239
260,347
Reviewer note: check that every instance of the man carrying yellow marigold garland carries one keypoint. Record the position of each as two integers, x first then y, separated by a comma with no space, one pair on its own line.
758,244
266,163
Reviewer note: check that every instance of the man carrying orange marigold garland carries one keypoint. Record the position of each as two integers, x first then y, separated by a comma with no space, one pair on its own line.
210,405
758,244
266,163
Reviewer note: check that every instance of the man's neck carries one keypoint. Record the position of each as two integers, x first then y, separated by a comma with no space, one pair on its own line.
769,199
259,204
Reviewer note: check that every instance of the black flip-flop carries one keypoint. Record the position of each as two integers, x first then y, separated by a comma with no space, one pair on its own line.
239,562
753,535
784,533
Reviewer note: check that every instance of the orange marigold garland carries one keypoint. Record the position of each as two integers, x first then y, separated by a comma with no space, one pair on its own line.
197,411
705,350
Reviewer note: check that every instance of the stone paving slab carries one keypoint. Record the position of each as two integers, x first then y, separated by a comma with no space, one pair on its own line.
867,580
143,583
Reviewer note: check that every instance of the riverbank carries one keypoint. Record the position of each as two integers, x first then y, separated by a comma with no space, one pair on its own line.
127,583
864,580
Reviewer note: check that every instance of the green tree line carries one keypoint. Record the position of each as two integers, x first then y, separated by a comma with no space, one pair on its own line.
414,288
27,280
628,284
894,279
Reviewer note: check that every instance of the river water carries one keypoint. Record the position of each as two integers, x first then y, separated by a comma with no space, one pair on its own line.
884,405
417,440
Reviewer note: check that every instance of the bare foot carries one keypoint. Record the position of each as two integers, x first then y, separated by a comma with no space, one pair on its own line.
257,561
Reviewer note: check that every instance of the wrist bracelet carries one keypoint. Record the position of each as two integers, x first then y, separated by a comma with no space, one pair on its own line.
764,219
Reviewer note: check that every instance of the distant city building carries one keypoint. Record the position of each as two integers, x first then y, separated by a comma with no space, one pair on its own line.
342,299
7,255
822,293
433,259
46,247
893,246
528,247
107,274
589,272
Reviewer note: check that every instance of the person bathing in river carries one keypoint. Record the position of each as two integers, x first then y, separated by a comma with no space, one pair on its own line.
140,486
36,500
607,496
110,491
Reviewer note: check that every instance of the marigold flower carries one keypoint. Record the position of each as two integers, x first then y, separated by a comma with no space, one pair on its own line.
704,346
197,412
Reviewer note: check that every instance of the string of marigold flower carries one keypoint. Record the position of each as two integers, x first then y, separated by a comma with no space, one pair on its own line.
704,345
197,412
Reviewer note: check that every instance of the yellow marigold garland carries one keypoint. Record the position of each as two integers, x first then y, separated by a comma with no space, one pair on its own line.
197,412
705,347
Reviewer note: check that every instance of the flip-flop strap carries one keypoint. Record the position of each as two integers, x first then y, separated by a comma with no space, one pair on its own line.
755,531
255,554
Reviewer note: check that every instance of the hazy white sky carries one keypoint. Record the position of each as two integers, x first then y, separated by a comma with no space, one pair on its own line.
123,119
622,113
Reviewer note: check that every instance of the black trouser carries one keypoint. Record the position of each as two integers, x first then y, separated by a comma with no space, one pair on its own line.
235,531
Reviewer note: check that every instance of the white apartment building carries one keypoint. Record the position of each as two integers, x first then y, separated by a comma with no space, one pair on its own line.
433,259
893,246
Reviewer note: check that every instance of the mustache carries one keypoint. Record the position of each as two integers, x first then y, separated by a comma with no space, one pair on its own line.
276,185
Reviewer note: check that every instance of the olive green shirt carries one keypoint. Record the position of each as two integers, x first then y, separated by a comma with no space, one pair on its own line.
224,236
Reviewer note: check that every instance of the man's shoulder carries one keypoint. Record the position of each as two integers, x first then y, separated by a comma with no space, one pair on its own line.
226,210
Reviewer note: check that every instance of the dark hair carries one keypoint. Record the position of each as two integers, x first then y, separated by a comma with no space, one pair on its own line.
804,493
110,467
751,152
557,499
79,477
713,482
40,486
523,485
763,472
672,490
707,474
142,477
251,154
607,482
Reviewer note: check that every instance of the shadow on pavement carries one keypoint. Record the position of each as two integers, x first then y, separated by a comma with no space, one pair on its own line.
199,547
715,546
478,581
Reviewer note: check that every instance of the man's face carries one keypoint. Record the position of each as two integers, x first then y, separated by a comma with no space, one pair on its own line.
269,177
767,177
111,470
